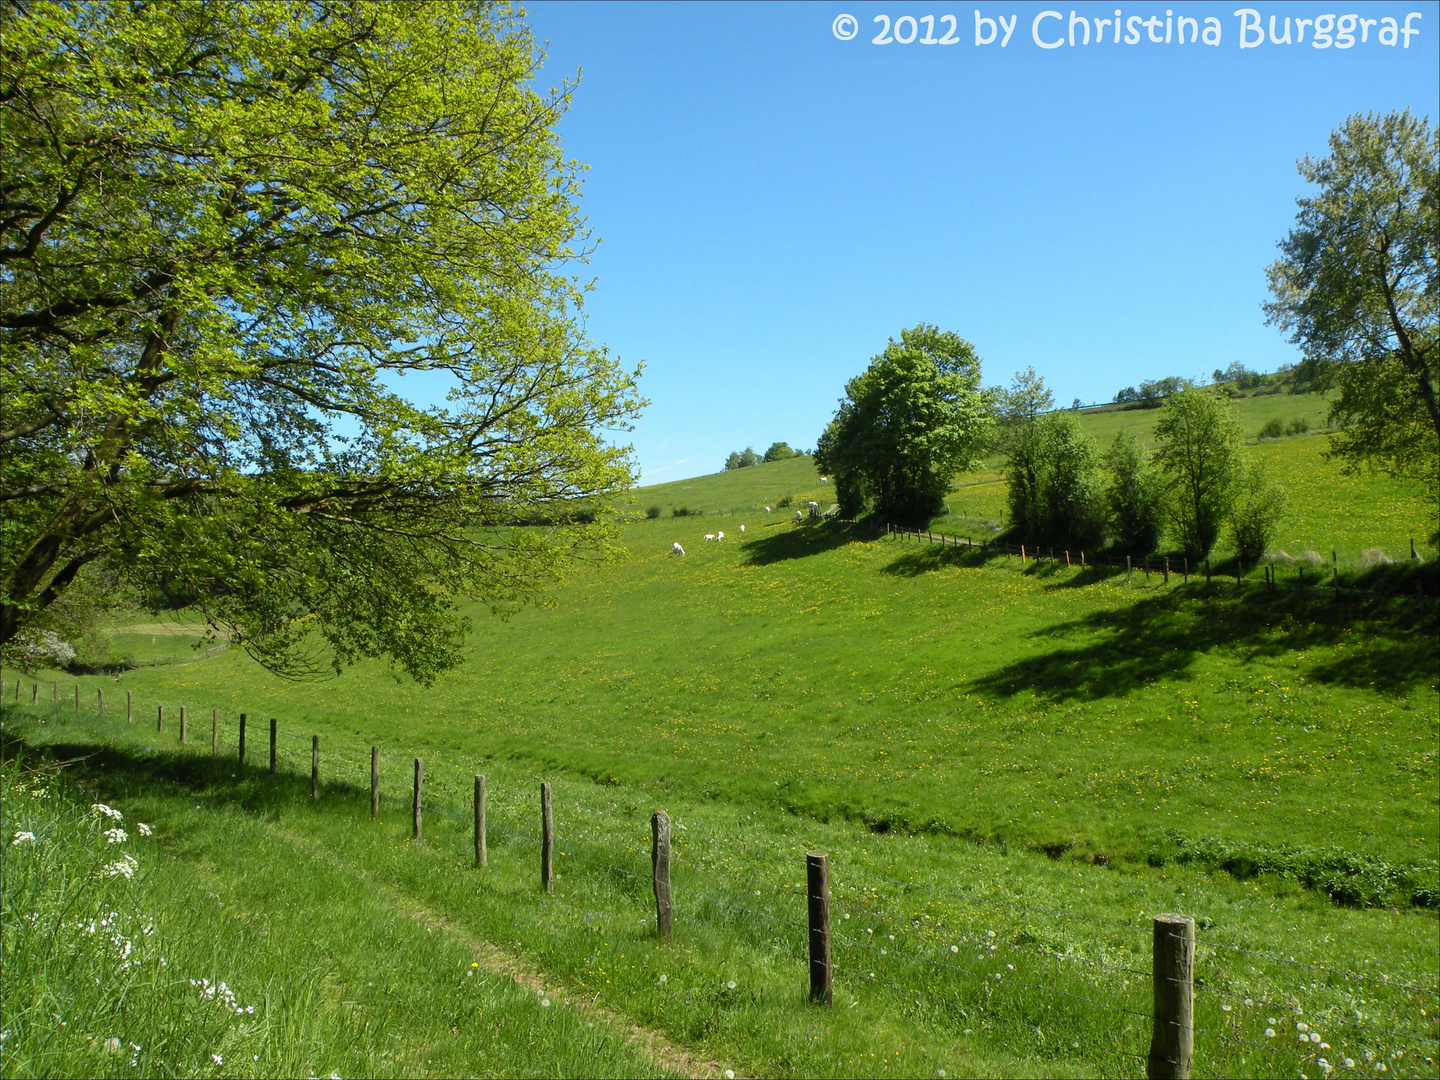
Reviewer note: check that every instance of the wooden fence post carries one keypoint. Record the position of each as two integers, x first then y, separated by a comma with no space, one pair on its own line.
315,766
660,865
77,699
159,718
1022,554
54,692
482,854
100,702
242,738
1173,970
1067,559
374,781
214,732
1128,568
547,840
817,888
272,745
415,825
182,723
1185,568
129,713
35,693
1082,560
1167,569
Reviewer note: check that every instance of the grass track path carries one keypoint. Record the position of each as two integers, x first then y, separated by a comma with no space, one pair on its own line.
666,1055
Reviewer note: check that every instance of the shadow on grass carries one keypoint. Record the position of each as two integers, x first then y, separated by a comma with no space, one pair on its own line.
1388,645
801,541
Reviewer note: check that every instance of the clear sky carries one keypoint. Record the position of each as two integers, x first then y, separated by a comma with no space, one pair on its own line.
773,202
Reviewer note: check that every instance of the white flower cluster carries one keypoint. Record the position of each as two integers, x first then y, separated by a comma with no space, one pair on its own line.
101,810
116,835
24,837
125,867
222,995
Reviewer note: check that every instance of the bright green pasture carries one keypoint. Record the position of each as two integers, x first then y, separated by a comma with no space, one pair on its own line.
354,943
743,490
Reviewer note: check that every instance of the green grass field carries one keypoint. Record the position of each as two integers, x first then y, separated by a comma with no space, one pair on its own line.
1013,768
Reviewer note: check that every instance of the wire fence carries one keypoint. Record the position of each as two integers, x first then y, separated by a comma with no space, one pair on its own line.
1083,979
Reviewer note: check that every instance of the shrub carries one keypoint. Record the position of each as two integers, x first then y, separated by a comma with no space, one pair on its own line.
652,512
1298,426
1273,429
786,501
779,452
29,649
682,511
742,459
1255,517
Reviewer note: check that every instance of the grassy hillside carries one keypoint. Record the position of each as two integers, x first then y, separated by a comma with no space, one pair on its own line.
1013,767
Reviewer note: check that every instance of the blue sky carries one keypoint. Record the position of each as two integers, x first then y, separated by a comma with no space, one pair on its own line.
773,203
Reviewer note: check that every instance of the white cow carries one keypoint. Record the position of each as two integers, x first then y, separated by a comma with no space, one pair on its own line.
719,536
709,536
676,549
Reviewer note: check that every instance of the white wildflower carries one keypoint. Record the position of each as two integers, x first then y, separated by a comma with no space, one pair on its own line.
144,829
1314,1036
112,1045
217,1059
1301,1026
106,811
730,985
116,835
729,1074
1269,1033
24,838
664,978
544,1003
1349,1063
954,948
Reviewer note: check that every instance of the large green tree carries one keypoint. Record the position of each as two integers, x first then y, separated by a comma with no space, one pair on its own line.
907,424
232,236
1199,452
1358,287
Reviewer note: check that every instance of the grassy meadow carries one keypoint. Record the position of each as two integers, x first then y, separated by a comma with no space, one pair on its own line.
1013,767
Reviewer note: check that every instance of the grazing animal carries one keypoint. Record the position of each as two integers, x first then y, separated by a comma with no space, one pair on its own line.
767,509
676,549
799,516
709,536
813,505
719,536
742,528
824,479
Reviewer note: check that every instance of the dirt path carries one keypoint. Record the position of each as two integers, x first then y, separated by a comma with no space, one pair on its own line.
666,1055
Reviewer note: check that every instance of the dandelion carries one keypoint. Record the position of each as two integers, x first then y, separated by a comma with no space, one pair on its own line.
144,829
1314,1037
847,915
1269,1033
729,1074
112,1045
1224,1008
730,985
544,1003
664,978
1301,1026
890,936
1349,1063
116,835
989,933
955,948
1249,1003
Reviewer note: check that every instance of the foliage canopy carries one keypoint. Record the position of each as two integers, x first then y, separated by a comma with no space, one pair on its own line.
229,232
907,424
1199,453
1358,287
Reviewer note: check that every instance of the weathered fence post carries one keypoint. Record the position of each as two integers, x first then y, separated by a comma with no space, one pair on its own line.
817,888
481,852
1067,560
34,693
242,738
374,781
129,713
315,766
159,718
1082,560
419,791
1173,970
1167,569
272,745
1022,554
182,723
1147,567
547,840
1128,568
660,865
54,692
214,732
100,702
1185,568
